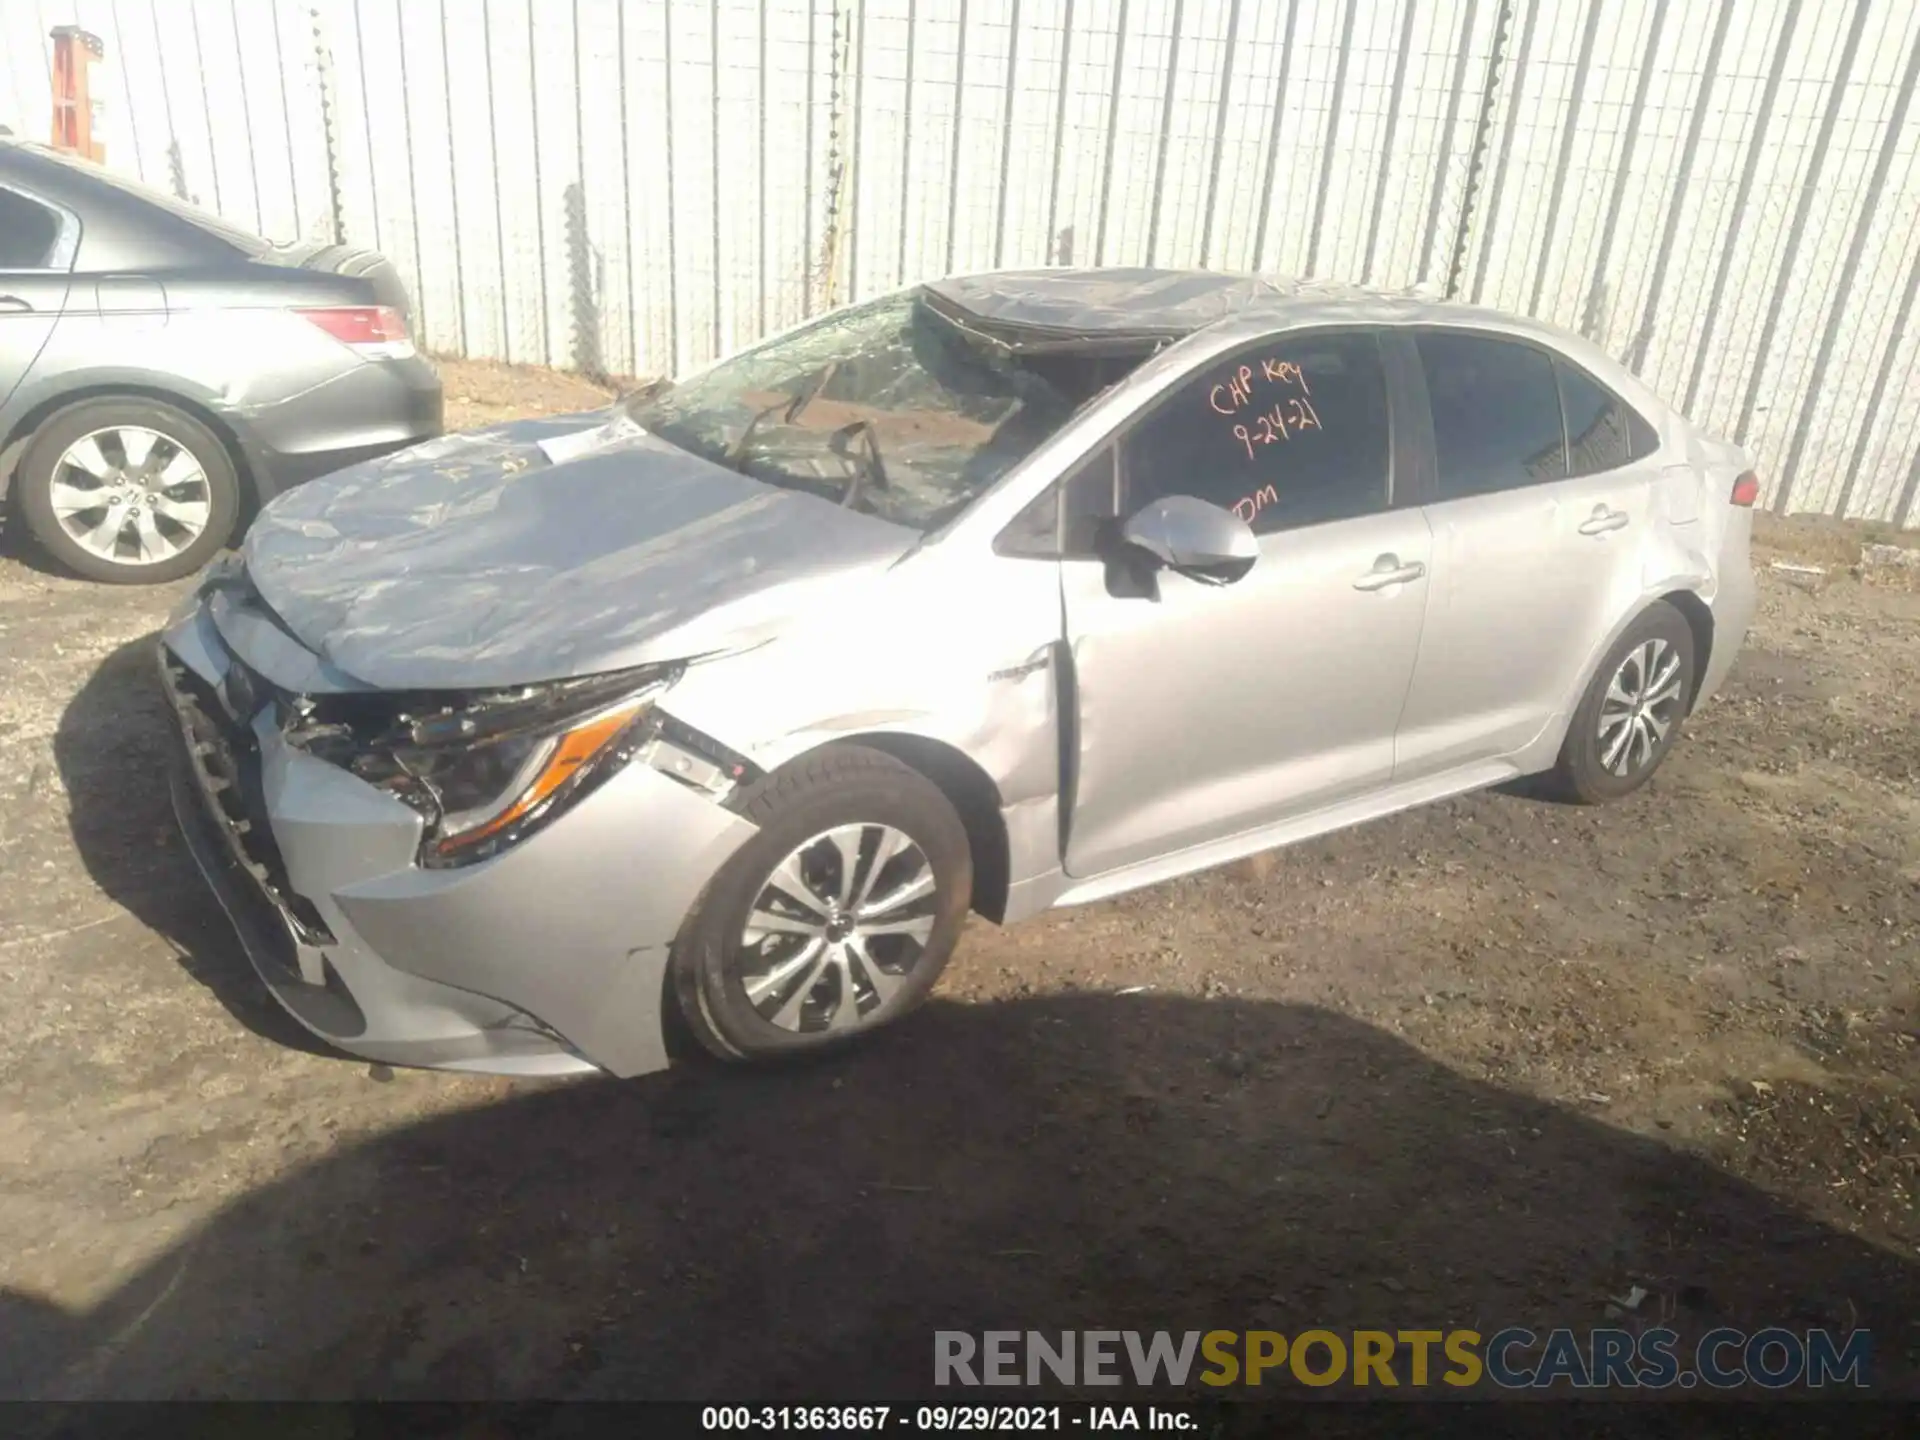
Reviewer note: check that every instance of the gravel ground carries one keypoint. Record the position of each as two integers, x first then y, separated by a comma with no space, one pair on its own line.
1488,1063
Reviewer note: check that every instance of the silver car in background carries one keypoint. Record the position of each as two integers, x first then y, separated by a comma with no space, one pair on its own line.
995,594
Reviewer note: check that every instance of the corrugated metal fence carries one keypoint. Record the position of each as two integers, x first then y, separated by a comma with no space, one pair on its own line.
1723,192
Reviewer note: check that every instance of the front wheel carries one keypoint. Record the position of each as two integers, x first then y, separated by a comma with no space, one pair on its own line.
1631,715
836,918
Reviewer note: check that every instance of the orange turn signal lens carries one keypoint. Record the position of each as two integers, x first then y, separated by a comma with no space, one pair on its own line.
575,748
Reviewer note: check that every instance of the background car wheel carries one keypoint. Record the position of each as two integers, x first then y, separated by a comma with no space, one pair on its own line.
133,492
836,918
1632,711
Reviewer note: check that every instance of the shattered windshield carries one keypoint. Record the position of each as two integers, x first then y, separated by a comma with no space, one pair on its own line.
883,406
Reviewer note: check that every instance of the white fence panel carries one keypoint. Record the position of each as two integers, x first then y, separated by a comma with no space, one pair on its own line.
1725,193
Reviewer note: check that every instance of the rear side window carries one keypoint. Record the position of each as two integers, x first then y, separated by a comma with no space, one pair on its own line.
1496,414
28,232
1290,432
1600,428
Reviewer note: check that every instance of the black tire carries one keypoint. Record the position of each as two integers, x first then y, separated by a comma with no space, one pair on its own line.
839,785
1583,774
34,480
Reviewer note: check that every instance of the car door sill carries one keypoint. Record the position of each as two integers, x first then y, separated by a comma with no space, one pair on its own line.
1476,776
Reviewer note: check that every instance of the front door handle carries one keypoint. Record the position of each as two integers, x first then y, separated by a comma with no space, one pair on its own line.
1603,521
1388,570
14,302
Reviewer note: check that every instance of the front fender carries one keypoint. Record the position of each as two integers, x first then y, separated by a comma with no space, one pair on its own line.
934,654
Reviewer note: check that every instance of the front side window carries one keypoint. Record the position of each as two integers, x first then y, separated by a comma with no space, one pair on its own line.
1290,432
1496,414
884,405
28,233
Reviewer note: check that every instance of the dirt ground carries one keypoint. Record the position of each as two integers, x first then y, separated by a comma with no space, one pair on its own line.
1489,1063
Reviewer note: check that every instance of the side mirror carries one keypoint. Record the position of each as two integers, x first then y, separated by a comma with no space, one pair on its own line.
1200,541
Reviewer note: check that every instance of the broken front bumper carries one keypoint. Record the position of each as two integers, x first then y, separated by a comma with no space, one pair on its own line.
547,959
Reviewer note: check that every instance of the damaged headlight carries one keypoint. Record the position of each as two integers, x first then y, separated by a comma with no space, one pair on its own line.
488,770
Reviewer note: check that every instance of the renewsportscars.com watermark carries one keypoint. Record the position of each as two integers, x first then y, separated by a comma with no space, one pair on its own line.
1510,1359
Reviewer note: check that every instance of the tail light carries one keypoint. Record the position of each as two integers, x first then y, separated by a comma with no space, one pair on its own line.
1746,490
378,332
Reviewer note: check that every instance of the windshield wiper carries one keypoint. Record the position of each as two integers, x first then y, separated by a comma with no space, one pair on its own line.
793,405
869,467
737,451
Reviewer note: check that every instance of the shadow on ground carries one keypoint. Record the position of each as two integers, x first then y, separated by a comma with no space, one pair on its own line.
1064,1163
114,747
17,544
1071,1162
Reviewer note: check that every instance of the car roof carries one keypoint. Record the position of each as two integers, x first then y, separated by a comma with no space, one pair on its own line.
1147,307
1164,303
1135,300
42,170
123,224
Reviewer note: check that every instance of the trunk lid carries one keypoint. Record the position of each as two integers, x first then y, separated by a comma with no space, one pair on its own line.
349,262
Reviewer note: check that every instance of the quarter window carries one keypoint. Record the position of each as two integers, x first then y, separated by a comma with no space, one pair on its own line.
1599,424
1088,506
1496,414
1069,519
28,232
1290,432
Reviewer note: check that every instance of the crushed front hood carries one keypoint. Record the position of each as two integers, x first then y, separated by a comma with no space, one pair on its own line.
478,561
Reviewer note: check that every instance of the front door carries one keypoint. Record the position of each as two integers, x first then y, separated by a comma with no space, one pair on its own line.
1204,710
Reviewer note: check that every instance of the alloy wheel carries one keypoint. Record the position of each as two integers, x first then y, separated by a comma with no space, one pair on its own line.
1640,707
131,495
837,928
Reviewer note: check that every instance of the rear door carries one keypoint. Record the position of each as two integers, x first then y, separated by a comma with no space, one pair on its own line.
1539,519
36,254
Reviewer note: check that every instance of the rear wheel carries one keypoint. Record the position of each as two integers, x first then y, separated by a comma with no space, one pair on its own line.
836,918
1632,712
129,491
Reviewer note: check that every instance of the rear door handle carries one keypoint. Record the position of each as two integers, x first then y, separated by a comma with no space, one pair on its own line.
1388,570
1604,520
14,302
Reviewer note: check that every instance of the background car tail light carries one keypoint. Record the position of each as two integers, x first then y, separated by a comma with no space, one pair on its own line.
378,332
1746,490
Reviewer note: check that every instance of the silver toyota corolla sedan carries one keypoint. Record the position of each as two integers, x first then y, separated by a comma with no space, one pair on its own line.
996,594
